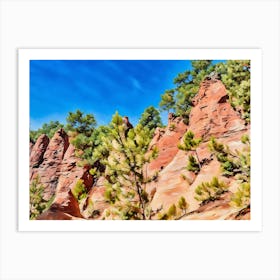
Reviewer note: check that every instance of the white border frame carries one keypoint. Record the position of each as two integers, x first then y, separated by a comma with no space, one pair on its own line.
24,57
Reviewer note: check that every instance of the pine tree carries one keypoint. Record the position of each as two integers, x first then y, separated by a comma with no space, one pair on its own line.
186,87
124,172
47,128
79,191
241,198
183,205
210,191
90,149
80,123
167,101
172,213
232,163
151,119
37,203
238,165
236,76
193,164
190,144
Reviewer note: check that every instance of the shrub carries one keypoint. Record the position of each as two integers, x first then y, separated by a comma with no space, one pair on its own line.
182,204
229,168
37,204
172,213
172,210
241,198
190,144
163,216
231,163
210,191
81,123
172,127
245,139
79,191
193,164
183,176
47,128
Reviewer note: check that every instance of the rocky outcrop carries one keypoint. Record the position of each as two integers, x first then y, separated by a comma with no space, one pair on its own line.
64,201
95,203
166,140
48,161
69,175
31,145
37,152
212,114
55,162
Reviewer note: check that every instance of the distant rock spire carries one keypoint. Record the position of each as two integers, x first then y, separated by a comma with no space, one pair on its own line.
127,125
214,76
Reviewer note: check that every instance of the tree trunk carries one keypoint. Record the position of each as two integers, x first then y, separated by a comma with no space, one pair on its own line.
141,200
198,161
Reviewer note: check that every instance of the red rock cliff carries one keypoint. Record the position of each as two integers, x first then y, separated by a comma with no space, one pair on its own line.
212,115
45,161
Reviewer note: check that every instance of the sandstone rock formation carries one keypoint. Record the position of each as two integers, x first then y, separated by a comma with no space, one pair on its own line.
166,140
55,163
64,201
95,203
37,151
46,164
212,115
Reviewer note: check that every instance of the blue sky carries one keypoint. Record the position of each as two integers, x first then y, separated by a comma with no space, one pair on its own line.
100,87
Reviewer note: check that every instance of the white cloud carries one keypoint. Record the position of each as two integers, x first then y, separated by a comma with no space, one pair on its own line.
136,84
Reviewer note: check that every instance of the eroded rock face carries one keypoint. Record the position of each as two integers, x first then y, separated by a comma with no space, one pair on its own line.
31,145
48,167
95,203
68,176
37,152
212,114
59,211
56,165
166,140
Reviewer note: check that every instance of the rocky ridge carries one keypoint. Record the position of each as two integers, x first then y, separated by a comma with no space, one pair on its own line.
54,161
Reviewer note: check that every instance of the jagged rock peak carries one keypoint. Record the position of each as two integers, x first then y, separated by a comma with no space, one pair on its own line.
171,118
212,114
38,150
48,165
65,203
213,76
